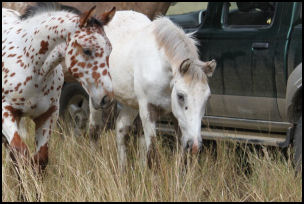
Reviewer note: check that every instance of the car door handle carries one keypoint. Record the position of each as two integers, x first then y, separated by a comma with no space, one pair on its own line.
259,46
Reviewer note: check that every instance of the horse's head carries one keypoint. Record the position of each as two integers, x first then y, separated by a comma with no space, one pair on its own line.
87,56
190,93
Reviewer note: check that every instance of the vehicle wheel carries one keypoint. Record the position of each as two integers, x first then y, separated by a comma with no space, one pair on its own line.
297,144
74,107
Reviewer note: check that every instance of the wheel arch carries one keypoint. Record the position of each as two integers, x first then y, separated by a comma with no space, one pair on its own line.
294,95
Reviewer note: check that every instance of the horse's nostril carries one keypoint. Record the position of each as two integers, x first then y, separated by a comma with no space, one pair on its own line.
105,102
192,146
189,144
195,149
77,120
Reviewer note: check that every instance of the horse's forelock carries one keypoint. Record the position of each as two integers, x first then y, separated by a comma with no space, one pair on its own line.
94,22
196,73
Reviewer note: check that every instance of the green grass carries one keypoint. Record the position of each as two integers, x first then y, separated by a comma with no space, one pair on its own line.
79,170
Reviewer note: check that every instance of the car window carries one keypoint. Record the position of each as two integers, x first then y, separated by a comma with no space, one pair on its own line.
300,12
246,14
177,8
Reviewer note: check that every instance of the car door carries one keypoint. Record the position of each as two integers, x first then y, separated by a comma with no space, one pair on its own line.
243,85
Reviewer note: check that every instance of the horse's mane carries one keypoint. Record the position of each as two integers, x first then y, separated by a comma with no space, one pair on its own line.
177,44
42,7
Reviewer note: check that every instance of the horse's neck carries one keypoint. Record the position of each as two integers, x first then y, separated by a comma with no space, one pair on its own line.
169,67
46,32
55,57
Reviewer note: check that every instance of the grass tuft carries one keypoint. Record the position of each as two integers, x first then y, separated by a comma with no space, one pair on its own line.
80,170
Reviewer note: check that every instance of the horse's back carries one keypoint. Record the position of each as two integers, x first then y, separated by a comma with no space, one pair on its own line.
9,17
9,13
122,31
136,60
124,24
11,46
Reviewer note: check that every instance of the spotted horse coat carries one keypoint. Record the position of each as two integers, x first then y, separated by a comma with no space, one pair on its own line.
32,46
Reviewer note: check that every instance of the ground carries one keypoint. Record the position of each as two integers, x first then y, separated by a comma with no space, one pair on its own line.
78,170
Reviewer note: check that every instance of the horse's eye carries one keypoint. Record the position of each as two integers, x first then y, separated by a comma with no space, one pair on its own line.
180,97
87,52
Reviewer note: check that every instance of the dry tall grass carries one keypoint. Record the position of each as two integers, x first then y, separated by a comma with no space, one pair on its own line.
80,171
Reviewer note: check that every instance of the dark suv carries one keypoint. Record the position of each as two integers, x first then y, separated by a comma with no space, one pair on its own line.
257,85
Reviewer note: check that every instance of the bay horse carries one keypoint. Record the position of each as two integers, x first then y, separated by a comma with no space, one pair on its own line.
151,9
155,69
33,45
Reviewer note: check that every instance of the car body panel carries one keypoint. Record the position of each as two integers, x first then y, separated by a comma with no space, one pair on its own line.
251,75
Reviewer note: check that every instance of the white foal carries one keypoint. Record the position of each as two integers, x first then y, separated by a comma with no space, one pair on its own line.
155,69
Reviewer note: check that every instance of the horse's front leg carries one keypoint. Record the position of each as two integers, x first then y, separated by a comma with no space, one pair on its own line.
148,115
123,124
10,121
17,149
45,124
95,122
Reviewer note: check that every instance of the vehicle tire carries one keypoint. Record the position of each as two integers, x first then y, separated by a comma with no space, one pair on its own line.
297,145
74,107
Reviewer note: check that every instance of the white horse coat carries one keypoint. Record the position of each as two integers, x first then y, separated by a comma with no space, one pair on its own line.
155,66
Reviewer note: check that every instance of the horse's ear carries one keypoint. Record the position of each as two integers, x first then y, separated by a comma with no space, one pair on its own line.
86,16
107,16
78,47
183,68
209,67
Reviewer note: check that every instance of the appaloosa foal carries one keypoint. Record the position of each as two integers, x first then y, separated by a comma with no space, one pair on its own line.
31,79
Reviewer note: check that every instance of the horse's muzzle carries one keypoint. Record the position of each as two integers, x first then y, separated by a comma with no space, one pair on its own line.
106,102
193,146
